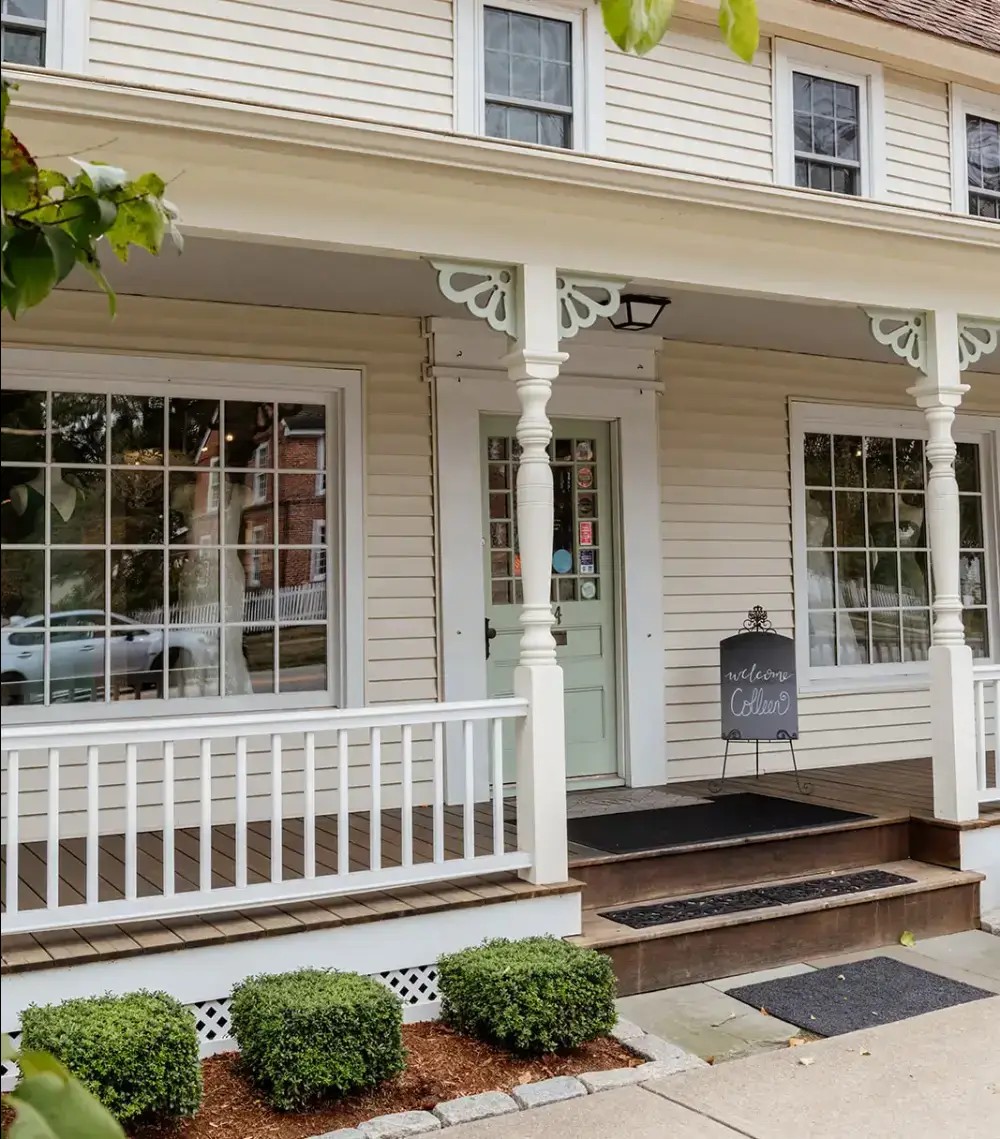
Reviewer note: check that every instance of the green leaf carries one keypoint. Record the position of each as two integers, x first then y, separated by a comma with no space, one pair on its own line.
637,25
63,250
906,938
102,176
85,218
49,179
30,266
19,173
50,1104
739,26
151,184
141,223
88,259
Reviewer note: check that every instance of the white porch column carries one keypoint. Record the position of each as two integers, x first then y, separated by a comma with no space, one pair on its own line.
940,344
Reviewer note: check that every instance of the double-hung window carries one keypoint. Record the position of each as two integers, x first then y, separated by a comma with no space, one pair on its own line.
44,33
975,153
828,128
863,572
530,72
158,542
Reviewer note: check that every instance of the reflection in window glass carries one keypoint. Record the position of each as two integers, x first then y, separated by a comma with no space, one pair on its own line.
868,560
162,548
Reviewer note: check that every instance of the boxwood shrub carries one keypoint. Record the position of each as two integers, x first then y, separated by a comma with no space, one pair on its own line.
137,1053
531,996
312,1034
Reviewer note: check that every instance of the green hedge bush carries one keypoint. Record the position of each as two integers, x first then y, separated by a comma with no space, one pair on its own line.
137,1053
531,996
312,1034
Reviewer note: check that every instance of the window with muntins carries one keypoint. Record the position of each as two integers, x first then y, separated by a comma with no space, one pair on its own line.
24,27
160,547
867,559
827,133
528,77
982,151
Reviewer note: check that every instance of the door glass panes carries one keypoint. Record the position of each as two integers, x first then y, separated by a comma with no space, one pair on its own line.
185,537
867,549
982,148
528,80
827,124
576,550
23,31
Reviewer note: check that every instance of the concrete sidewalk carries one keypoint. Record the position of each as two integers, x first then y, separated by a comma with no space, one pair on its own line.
931,1077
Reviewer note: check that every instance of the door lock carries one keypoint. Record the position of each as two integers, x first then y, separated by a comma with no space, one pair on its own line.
489,634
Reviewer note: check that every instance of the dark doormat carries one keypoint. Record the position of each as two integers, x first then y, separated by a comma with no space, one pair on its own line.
759,898
728,816
846,998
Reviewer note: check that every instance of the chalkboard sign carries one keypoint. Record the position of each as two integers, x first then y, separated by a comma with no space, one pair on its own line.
758,687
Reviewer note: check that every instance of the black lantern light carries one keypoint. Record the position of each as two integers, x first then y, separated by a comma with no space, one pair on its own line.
639,312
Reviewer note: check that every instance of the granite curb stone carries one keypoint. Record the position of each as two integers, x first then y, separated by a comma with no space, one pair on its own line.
544,1092
399,1125
469,1108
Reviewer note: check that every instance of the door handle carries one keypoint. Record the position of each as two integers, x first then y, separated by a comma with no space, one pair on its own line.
86,648
489,633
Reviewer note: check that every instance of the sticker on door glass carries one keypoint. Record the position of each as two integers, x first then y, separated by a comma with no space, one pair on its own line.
588,590
585,478
586,533
562,561
496,449
584,450
588,561
585,506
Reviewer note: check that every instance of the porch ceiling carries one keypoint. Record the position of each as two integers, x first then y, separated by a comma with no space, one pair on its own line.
213,270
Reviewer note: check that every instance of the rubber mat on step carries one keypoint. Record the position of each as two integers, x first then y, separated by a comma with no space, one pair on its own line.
757,898
862,994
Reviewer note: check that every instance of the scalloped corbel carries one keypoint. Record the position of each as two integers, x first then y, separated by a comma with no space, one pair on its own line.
488,294
579,307
976,338
904,332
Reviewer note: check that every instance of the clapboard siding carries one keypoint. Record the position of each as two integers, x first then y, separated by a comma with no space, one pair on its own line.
690,105
726,544
358,58
400,577
918,166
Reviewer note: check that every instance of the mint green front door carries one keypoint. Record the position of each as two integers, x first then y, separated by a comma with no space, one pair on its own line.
583,583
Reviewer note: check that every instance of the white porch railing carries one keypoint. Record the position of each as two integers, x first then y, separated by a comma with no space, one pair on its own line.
986,680
227,855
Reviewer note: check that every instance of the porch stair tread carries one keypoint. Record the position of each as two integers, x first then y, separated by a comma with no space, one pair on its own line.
599,931
21,952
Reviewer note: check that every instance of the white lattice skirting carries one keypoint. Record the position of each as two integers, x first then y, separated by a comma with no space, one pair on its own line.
415,987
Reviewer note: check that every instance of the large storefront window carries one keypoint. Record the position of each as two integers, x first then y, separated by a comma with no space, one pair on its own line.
162,547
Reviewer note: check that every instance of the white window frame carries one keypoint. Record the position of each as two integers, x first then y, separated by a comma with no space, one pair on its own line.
320,549
962,102
256,559
85,371
321,464
840,419
260,463
588,40
214,486
66,35
866,75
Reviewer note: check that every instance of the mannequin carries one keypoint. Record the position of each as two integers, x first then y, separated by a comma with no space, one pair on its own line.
28,501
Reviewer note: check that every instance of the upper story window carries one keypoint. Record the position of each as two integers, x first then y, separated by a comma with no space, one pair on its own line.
975,152
528,77
24,31
828,121
530,72
863,573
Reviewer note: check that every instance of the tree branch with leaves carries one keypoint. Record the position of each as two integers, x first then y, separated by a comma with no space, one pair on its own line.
637,26
52,222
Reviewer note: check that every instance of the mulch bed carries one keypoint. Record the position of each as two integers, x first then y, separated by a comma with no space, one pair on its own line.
440,1065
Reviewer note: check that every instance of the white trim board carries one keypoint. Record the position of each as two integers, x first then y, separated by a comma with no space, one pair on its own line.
963,101
460,403
94,371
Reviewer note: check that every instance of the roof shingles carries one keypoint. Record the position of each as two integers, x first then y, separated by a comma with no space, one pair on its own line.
975,22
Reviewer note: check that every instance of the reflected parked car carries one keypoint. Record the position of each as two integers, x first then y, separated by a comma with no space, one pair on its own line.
77,652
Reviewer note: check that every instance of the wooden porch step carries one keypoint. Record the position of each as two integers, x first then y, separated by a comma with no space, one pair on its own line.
937,901
618,879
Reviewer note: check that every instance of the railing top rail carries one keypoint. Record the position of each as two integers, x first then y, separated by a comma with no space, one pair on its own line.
986,670
209,726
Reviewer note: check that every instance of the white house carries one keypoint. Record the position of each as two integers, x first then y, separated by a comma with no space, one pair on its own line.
290,673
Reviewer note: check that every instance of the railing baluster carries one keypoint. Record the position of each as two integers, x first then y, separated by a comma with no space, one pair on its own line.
93,854
169,874
406,829
131,821
469,793
979,687
438,821
277,813
496,758
241,810
52,842
343,804
13,832
309,808
205,823
375,813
